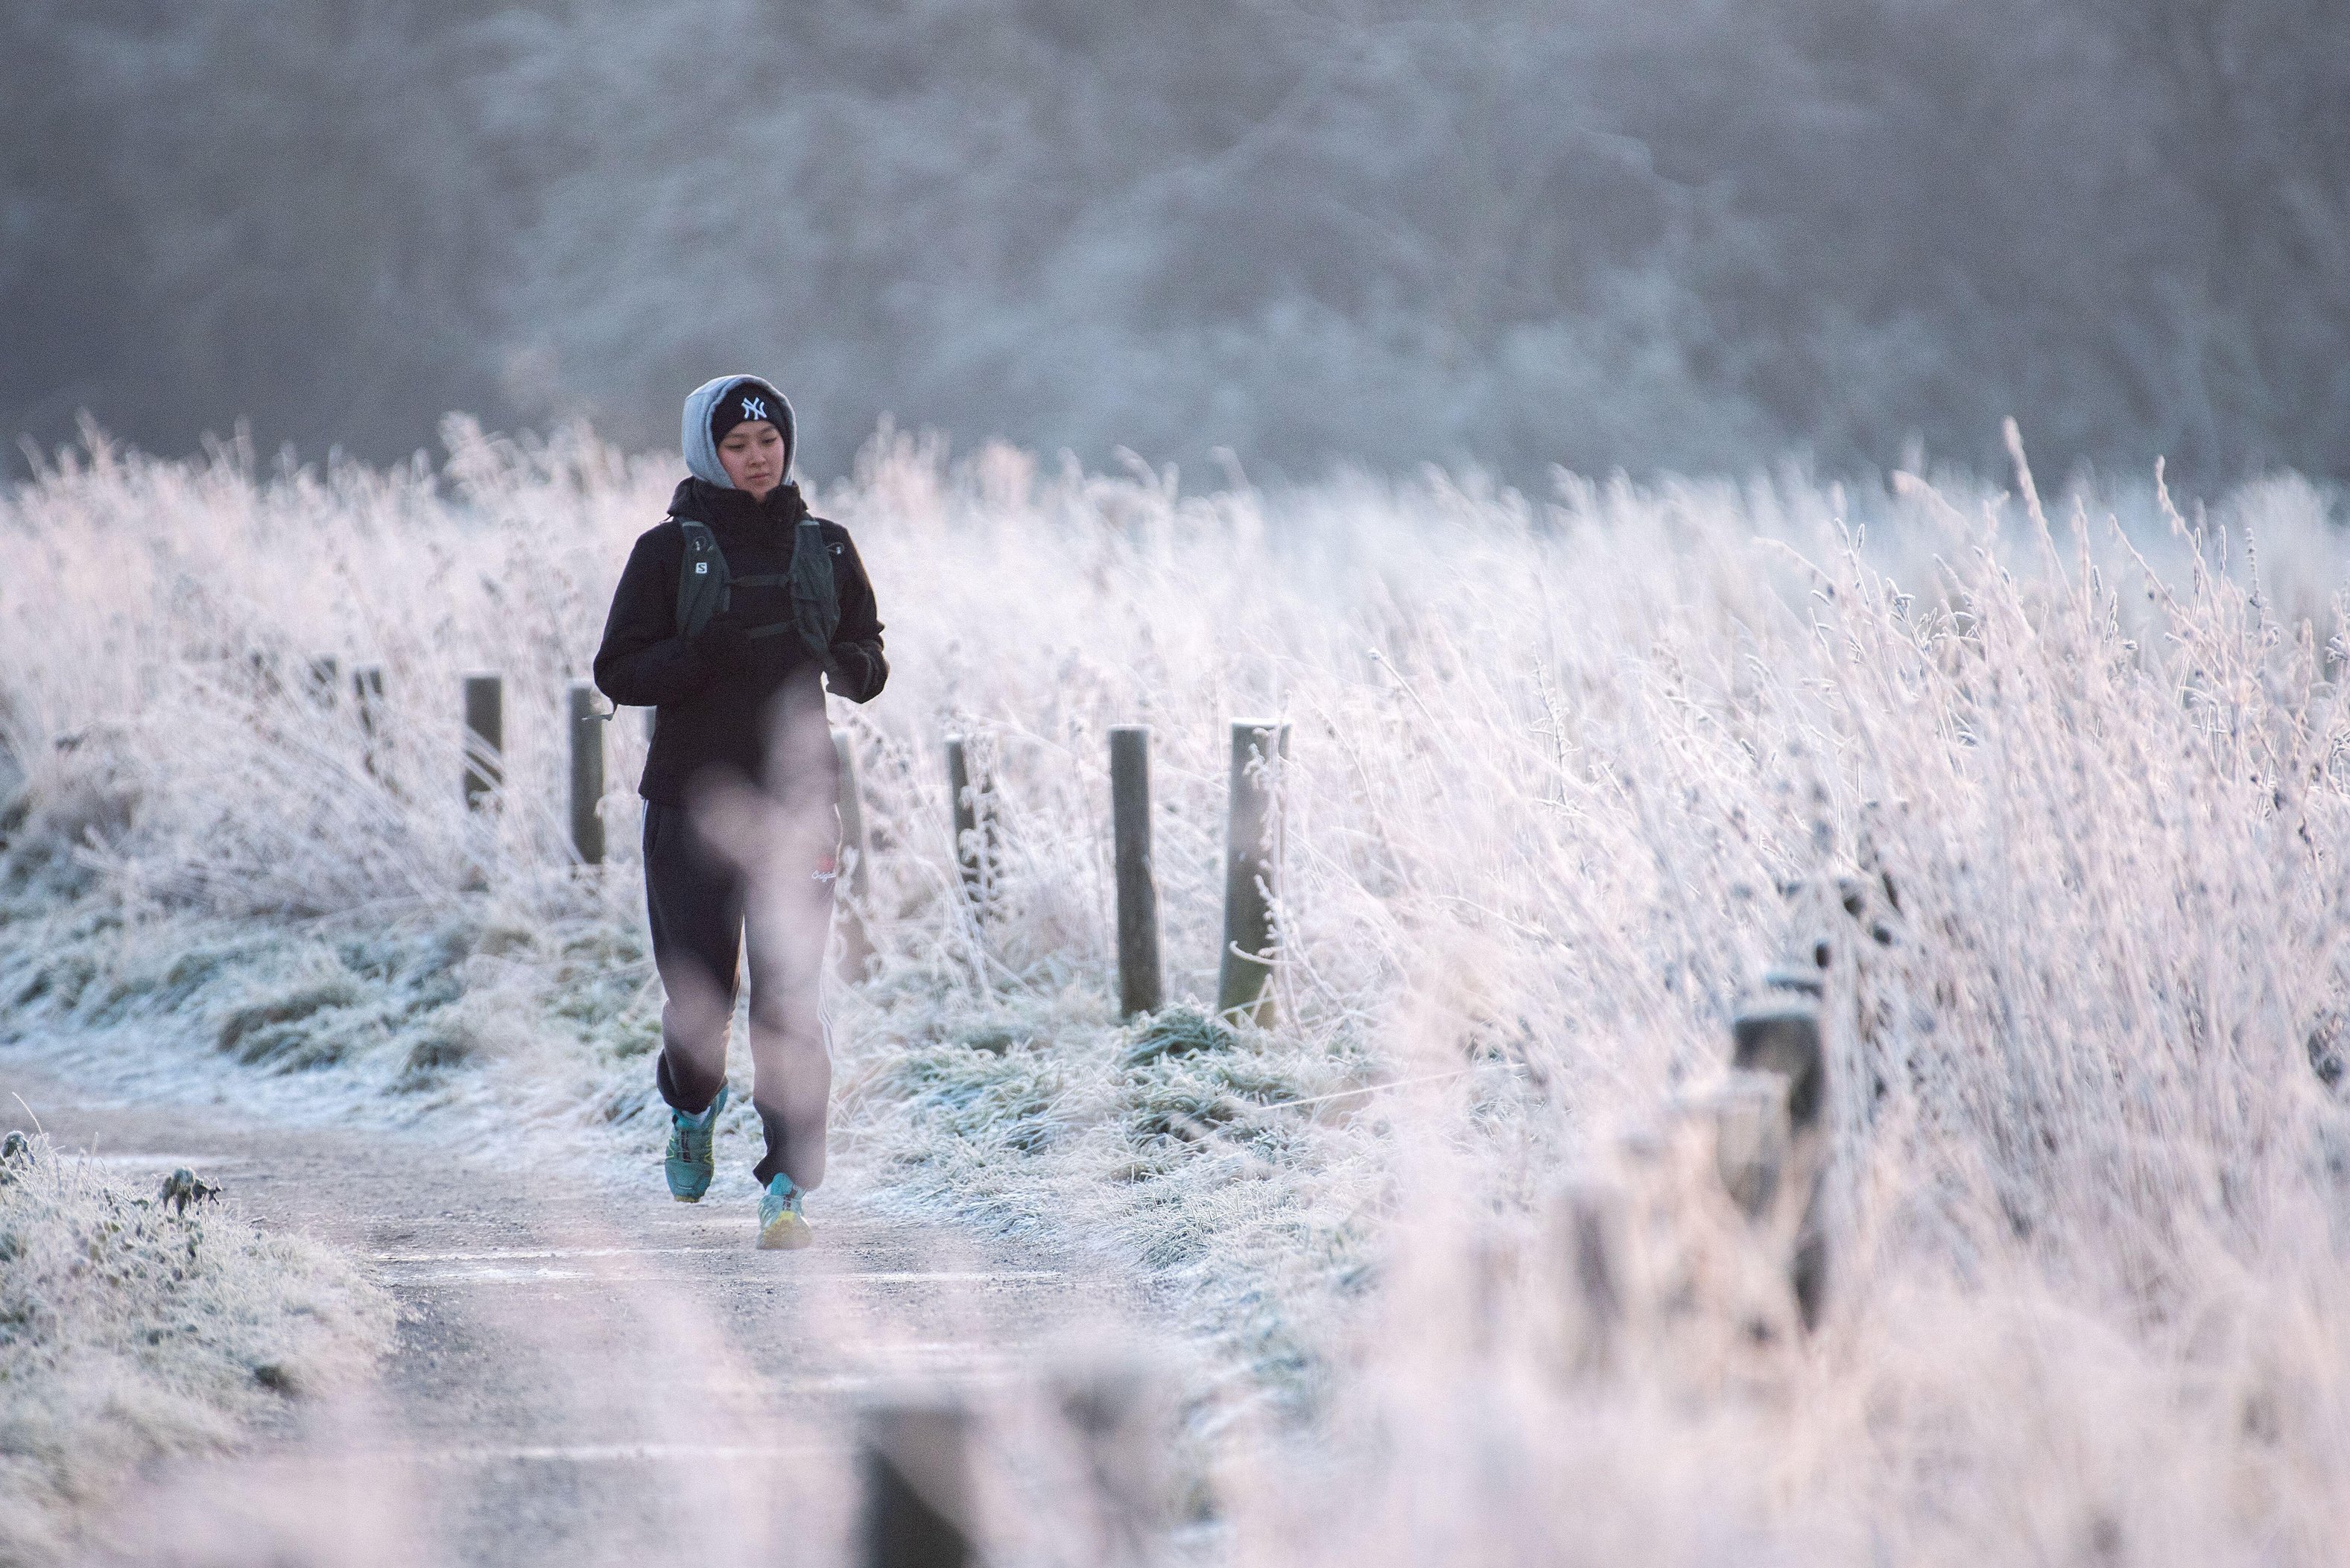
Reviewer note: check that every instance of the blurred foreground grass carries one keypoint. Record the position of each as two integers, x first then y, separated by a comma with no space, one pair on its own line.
133,1327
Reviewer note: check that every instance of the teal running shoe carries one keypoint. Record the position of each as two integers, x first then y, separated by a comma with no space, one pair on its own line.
782,1226
693,1156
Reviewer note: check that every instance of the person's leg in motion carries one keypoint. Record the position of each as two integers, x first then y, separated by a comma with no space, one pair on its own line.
789,926
693,900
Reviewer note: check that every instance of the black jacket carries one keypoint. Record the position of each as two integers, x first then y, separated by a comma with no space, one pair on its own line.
715,708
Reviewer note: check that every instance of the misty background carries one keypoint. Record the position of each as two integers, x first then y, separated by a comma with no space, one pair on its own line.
1685,234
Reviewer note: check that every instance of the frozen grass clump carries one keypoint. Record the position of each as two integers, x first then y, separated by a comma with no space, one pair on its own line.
133,1327
403,1007
1175,1146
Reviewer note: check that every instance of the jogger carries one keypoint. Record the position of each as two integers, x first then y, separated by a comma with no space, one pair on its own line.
740,777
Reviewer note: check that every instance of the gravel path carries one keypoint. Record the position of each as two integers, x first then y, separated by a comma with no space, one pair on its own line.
586,1372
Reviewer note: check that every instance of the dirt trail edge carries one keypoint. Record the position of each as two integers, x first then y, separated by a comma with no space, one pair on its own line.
586,1372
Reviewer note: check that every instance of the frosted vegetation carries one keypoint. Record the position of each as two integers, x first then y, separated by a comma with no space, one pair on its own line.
132,1328
1557,764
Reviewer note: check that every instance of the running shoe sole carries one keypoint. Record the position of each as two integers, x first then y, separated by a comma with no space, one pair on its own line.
785,1232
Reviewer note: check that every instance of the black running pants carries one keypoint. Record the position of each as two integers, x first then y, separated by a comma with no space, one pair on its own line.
702,908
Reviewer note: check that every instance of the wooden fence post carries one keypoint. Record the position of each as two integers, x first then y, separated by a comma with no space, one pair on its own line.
263,663
974,836
586,774
366,692
917,1483
1780,1035
1139,988
1116,1413
1251,859
1751,1134
1589,1224
857,942
485,731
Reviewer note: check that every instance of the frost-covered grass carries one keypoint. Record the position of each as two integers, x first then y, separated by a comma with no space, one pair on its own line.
131,1328
1556,765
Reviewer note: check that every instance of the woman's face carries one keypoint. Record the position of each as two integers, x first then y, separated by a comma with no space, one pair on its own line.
753,456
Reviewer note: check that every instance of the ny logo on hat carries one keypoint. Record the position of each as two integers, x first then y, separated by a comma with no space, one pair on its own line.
755,408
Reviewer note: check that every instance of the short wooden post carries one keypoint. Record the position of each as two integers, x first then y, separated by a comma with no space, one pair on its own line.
1749,1150
1140,988
1251,861
366,692
916,1475
1116,1413
485,731
325,688
1780,1035
586,773
1589,1224
970,847
854,878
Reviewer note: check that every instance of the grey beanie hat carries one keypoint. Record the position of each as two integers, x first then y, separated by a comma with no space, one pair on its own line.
702,408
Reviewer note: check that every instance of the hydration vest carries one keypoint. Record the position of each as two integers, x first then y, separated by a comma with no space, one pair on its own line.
705,587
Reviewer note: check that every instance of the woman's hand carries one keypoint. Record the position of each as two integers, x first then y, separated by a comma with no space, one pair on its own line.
845,670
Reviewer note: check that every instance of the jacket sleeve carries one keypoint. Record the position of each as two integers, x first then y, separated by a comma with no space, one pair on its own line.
856,669
643,663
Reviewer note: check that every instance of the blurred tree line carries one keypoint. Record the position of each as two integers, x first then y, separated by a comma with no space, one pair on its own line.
1693,233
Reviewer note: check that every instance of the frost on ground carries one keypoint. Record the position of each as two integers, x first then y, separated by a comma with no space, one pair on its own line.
134,1326
2050,798
1006,1112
